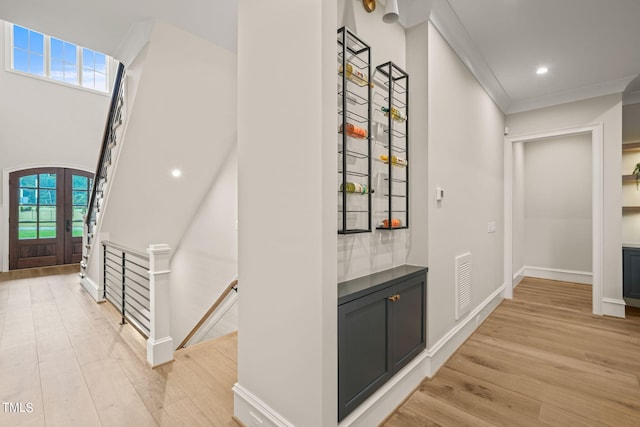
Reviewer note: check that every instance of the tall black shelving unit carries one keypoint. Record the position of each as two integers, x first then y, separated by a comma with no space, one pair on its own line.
396,146
354,129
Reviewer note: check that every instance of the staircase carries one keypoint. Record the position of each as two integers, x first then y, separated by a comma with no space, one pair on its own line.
109,142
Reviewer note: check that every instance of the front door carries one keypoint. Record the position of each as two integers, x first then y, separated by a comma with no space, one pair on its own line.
45,224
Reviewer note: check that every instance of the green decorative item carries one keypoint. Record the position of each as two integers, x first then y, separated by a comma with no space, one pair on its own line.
636,172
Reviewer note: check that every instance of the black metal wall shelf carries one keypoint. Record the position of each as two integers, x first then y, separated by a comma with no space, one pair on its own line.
395,147
354,130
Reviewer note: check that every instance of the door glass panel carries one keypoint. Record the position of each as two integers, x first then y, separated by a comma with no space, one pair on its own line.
79,198
27,197
78,213
27,214
47,213
47,230
28,181
27,230
47,180
47,197
79,182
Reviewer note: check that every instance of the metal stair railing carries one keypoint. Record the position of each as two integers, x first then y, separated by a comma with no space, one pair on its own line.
109,141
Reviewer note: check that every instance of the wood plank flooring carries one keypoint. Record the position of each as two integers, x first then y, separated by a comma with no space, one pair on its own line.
539,359
71,361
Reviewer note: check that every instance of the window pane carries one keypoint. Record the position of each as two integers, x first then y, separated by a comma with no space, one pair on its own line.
47,213
36,64
101,82
28,181
20,60
79,182
70,53
26,231
47,180
27,197
27,214
78,213
80,198
77,229
87,58
87,78
47,197
70,74
56,48
101,62
47,230
36,42
20,37
57,70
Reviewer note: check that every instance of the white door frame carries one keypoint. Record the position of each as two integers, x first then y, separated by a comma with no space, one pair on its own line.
4,213
597,179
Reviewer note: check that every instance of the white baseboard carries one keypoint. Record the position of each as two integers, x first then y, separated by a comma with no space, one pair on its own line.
613,307
517,277
584,277
252,411
92,288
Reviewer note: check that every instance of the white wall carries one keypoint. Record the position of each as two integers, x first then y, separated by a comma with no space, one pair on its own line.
558,213
206,260
366,253
606,110
518,226
466,160
45,123
184,117
287,341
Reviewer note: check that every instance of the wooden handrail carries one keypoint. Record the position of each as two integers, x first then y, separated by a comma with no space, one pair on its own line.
209,312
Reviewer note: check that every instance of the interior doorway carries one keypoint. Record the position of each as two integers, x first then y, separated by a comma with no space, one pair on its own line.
596,133
46,210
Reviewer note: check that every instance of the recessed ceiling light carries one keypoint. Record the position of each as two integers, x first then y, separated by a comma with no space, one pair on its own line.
176,173
542,70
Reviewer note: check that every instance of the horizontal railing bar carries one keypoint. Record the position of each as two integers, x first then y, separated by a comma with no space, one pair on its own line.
144,267
145,285
143,309
110,267
143,296
128,251
130,297
146,322
146,316
137,274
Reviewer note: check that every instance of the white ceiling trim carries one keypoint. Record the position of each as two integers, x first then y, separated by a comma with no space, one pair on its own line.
448,24
601,89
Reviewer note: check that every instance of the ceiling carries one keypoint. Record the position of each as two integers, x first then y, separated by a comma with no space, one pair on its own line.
591,47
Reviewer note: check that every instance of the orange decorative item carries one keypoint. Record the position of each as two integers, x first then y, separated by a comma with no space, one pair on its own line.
395,223
354,131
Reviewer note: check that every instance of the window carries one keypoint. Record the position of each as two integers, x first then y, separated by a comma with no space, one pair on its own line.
51,58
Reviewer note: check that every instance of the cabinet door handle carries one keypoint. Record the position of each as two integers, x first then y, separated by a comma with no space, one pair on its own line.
394,298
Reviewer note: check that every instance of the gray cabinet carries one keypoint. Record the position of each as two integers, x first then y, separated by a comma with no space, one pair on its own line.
631,272
381,327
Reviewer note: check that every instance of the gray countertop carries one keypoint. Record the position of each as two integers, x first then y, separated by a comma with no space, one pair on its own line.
356,288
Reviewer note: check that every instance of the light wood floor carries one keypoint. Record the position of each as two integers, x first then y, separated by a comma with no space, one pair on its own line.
539,359
70,359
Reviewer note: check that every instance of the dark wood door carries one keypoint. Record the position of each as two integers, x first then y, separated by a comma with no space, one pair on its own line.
45,221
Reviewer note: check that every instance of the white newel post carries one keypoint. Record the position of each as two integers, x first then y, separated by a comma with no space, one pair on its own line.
160,343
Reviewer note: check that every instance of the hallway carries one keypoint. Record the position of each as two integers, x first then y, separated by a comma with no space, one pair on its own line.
66,361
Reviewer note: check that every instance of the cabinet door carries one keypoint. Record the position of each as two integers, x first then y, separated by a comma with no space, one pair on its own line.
631,273
362,350
407,332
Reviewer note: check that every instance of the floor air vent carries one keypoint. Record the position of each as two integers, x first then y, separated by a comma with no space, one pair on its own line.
463,284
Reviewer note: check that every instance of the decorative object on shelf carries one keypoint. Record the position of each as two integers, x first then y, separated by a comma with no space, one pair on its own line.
395,160
354,187
354,130
391,12
395,143
636,172
369,5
